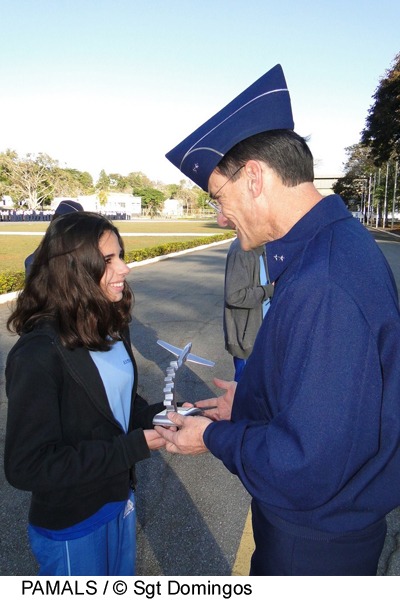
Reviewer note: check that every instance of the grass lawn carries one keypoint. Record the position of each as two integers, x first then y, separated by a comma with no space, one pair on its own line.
14,248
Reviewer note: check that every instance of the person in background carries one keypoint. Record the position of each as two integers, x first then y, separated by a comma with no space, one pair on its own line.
247,297
76,426
65,207
312,429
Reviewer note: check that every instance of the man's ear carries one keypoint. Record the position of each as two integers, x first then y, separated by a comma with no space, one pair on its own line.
254,173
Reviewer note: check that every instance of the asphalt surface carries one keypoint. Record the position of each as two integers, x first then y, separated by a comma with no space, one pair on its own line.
191,511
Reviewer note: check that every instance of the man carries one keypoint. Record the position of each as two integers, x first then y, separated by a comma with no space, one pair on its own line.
312,429
246,298
65,207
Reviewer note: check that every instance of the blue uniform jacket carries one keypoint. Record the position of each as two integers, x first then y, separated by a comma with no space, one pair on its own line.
315,428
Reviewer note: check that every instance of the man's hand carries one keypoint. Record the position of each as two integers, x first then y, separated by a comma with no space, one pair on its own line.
188,439
223,403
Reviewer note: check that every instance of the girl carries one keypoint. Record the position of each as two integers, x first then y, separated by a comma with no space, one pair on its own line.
76,426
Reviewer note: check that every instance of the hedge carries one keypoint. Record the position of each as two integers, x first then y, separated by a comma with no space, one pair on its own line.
14,281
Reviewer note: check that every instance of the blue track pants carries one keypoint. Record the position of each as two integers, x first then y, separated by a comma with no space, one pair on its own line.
109,550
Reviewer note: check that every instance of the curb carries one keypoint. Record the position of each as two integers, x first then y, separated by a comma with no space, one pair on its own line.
12,295
382,230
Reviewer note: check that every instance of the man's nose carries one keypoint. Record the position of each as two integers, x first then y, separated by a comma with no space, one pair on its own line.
221,220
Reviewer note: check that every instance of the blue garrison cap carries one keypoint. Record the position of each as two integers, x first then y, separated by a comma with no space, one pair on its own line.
263,106
68,206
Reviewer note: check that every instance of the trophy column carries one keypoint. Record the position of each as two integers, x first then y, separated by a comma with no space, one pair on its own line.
169,383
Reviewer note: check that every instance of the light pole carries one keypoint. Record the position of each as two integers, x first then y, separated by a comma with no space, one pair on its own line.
394,191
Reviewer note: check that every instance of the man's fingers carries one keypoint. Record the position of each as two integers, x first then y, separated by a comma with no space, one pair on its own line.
176,418
168,432
221,383
165,432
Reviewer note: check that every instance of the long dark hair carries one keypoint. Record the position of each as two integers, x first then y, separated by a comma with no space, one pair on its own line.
64,285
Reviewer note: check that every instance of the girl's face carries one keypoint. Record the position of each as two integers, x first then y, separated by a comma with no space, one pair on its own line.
113,281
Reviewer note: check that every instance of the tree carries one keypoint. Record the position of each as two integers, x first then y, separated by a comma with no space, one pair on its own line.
5,171
119,182
103,182
171,190
203,199
371,171
102,187
71,183
353,186
31,178
83,180
34,180
138,181
152,200
382,132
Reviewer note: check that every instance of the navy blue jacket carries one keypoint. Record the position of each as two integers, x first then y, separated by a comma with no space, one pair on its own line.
315,428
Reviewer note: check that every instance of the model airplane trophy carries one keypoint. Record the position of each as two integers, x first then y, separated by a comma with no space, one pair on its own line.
182,355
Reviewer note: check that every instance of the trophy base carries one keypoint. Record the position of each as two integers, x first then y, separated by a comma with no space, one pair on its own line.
162,417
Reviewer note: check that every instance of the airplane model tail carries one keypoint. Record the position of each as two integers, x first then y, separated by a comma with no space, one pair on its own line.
184,354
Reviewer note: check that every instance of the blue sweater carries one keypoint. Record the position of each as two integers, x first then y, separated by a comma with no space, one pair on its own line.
315,429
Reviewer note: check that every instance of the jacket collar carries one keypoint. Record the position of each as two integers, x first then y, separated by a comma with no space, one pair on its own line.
282,252
81,367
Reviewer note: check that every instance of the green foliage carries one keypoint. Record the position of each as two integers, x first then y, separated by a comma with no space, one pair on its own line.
352,187
382,132
5,172
35,180
152,200
367,187
150,195
172,190
137,181
71,183
202,199
103,197
103,183
119,183
81,183
11,282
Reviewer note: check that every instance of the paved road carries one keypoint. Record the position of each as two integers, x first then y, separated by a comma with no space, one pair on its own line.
191,511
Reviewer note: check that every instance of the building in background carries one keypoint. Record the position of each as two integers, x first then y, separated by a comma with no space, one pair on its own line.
117,206
172,208
324,184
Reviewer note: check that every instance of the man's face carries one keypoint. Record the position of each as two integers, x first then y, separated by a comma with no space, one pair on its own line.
237,206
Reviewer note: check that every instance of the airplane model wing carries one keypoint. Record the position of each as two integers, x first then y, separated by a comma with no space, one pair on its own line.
184,354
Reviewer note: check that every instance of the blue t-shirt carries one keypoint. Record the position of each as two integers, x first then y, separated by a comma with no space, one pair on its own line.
116,372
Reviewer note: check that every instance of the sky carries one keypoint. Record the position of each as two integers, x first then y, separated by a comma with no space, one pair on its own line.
115,84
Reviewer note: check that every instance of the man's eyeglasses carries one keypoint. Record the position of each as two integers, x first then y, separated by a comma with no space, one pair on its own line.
214,204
